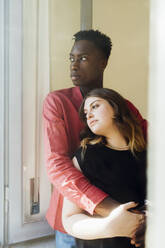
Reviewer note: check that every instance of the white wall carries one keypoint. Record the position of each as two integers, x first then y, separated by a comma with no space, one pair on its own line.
127,23
64,22
156,161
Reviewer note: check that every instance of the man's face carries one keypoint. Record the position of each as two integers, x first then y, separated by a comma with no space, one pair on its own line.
87,64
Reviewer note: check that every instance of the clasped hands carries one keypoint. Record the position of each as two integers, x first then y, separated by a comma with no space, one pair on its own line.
122,220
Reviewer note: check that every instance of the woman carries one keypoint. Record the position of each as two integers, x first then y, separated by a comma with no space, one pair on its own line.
113,157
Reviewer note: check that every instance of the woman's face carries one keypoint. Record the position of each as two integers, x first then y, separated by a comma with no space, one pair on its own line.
99,115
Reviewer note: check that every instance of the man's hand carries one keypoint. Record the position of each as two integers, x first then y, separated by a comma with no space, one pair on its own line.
138,238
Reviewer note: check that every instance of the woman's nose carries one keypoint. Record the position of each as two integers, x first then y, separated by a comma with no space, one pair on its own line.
89,115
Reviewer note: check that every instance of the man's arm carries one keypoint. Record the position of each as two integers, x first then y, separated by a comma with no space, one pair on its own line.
143,122
61,172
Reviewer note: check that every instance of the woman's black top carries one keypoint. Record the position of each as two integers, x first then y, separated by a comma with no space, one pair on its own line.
120,174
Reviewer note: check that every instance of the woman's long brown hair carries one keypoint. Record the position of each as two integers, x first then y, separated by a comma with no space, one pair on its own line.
125,120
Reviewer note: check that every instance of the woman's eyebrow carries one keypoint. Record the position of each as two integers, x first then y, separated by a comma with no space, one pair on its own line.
92,104
95,101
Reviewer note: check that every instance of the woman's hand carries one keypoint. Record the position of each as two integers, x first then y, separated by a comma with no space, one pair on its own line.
122,222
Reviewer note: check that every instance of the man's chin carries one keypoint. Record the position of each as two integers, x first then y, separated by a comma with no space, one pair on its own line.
77,83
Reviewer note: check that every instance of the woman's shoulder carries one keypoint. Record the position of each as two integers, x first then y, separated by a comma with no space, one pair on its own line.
90,155
88,148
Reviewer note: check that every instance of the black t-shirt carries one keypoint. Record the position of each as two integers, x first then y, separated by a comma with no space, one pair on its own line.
118,173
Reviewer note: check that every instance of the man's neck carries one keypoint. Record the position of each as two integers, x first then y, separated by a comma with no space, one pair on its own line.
85,90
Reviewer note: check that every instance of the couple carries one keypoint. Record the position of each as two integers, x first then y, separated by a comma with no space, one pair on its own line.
62,125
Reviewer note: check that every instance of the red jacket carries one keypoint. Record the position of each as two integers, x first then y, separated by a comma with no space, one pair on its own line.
61,137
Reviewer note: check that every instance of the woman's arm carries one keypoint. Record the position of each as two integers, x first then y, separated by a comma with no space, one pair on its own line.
78,223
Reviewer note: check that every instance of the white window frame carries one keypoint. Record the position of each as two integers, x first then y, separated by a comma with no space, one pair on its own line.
16,230
86,9
2,121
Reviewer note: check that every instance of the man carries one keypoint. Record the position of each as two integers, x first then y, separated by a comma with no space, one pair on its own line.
88,60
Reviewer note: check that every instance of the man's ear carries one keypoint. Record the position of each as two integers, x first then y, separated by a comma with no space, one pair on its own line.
103,63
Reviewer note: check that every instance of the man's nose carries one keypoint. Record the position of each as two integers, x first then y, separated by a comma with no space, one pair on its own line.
75,64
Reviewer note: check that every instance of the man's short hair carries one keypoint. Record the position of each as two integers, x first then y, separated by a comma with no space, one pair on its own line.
100,40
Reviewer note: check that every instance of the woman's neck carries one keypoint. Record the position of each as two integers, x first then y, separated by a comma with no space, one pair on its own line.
116,140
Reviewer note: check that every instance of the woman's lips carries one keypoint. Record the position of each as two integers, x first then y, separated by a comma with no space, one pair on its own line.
92,123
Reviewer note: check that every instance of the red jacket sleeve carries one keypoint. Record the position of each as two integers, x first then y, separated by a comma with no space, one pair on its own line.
61,172
143,122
